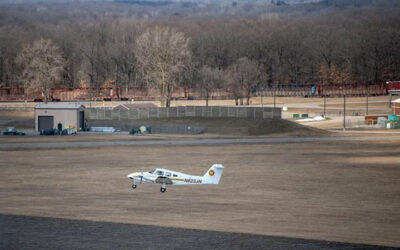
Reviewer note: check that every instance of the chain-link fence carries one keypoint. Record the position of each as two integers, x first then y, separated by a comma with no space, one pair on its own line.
184,111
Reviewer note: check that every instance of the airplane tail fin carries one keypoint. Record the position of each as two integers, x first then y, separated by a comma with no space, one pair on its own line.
213,175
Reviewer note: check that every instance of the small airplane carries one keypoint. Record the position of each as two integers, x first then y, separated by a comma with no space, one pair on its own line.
168,177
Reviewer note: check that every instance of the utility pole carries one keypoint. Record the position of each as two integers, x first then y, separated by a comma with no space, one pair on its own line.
344,112
366,112
324,105
275,96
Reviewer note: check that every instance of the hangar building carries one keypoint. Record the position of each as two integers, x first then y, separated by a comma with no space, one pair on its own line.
50,116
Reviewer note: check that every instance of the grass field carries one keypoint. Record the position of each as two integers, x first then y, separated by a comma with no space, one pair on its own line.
339,191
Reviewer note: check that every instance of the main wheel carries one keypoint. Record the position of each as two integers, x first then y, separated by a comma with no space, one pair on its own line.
163,190
133,186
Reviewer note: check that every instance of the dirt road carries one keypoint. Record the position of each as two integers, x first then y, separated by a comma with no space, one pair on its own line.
210,141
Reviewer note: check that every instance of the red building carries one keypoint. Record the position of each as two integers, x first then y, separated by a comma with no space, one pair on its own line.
396,107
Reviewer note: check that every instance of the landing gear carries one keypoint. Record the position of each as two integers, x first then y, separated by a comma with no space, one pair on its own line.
163,188
133,186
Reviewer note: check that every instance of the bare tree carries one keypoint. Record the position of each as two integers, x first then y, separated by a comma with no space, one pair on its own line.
163,56
332,75
99,44
209,79
232,84
42,64
246,74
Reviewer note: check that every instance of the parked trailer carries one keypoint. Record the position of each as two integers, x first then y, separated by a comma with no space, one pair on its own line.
127,93
315,90
393,86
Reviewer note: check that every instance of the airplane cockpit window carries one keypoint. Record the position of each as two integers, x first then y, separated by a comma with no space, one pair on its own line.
152,171
168,174
160,173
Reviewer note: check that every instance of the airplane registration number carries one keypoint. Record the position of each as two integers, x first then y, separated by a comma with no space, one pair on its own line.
193,180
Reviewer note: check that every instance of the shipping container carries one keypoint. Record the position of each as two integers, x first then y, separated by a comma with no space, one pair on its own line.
393,86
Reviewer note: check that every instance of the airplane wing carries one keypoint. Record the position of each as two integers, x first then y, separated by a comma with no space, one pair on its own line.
163,179
167,180
142,177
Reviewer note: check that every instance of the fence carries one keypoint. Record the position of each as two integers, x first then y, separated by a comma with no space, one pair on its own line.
184,111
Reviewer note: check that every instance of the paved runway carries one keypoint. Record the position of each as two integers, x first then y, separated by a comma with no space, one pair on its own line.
188,142
24,232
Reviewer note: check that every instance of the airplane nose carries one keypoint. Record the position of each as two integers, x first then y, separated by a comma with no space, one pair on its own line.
132,175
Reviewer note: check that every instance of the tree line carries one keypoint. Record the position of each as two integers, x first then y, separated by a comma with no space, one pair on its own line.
239,54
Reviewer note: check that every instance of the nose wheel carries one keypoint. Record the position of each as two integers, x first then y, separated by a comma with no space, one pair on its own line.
133,186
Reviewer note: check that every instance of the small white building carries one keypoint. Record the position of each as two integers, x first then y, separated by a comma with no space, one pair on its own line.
50,116
137,105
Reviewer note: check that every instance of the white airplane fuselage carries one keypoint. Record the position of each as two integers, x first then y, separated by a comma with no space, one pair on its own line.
170,177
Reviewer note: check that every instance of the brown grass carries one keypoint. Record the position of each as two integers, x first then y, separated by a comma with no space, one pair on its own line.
17,118
222,126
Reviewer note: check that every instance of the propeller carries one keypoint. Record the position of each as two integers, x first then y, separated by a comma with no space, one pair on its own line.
141,178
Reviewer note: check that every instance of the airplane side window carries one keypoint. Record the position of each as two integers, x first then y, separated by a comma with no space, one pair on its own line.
175,175
168,174
160,173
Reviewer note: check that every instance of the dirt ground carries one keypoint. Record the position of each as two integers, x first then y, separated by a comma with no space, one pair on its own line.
336,191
